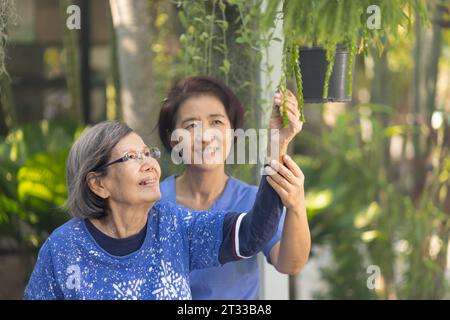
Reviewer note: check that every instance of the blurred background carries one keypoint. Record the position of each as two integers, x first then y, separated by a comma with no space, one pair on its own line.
377,168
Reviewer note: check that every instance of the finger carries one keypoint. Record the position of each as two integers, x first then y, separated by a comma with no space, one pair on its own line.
294,122
278,100
291,97
292,108
291,103
280,179
293,167
290,93
278,189
293,111
284,171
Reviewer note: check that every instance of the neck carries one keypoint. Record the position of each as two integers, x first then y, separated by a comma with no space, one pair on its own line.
200,185
123,221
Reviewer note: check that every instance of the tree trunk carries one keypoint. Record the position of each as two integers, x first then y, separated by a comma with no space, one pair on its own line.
133,32
427,52
7,115
3,126
381,95
72,65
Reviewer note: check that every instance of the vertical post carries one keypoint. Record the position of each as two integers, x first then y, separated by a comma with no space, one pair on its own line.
273,285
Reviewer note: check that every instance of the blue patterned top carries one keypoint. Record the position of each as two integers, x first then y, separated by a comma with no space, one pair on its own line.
71,265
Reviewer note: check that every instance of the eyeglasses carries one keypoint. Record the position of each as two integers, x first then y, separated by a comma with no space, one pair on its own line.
138,156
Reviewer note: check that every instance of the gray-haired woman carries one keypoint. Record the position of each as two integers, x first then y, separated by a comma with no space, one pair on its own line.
125,244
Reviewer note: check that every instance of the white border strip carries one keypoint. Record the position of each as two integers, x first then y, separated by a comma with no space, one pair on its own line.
236,236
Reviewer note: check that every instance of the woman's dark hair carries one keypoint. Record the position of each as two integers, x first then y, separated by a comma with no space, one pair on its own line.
195,86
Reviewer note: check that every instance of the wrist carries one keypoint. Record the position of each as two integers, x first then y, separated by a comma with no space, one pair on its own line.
299,207
276,149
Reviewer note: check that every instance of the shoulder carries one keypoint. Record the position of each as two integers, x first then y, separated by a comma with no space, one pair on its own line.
167,181
62,238
167,188
167,211
67,232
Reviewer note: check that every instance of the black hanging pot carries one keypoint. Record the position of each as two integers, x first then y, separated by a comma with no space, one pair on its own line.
313,66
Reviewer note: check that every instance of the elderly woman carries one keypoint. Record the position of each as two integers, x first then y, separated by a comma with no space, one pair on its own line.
125,244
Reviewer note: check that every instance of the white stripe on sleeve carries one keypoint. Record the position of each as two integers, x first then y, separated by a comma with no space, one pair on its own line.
236,236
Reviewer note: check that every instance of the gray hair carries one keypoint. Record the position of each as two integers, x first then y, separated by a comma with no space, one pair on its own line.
92,150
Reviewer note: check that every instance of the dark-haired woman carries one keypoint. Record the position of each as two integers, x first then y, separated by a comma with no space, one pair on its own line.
198,105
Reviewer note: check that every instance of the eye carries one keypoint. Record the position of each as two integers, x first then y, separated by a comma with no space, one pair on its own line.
217,122
132,155
191,125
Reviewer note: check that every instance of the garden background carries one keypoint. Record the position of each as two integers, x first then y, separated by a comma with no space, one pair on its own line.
377,168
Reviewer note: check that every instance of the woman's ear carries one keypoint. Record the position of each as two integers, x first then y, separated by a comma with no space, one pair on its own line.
96,185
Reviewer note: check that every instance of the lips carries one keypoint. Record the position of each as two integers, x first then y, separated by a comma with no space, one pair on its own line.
148,182
208,150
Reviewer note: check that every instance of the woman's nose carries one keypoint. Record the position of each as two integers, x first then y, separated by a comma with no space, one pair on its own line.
209,135
149,164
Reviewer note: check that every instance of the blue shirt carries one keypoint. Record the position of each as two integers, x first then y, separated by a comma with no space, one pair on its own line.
237,280
72,265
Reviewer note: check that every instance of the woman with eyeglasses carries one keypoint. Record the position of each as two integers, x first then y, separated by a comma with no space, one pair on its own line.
123,243
199,105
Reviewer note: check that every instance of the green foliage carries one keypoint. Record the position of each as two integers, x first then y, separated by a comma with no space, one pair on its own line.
365,216
32,182
329,23
164,46
226,34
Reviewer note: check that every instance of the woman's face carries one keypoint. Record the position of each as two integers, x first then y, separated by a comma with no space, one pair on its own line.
133,182
205,120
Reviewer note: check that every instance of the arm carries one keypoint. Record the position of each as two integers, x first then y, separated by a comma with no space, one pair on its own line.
291,253
245,234
278,141
279,137
220,237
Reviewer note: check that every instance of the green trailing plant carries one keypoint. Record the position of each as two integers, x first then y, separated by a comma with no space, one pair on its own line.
221,39
332,23
223,34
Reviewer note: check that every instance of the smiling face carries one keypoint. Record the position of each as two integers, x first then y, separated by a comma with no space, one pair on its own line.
206,120
132,182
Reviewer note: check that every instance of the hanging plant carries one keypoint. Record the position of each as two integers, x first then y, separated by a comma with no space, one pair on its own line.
336,27
8,18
